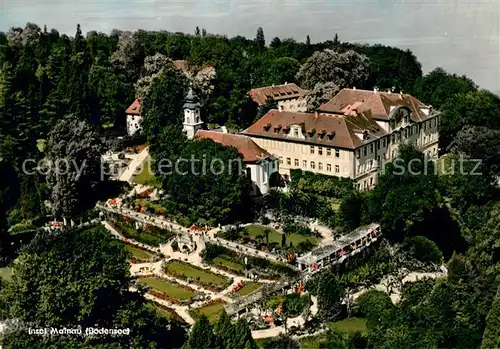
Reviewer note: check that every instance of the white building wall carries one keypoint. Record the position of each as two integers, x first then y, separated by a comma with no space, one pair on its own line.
133,124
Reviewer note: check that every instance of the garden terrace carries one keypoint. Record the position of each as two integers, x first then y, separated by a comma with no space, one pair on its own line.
191,273
267,238
234,262
241,304
174,291
211,310
149,235
248,288
340,249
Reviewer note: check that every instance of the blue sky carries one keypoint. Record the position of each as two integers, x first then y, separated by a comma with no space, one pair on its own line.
461,36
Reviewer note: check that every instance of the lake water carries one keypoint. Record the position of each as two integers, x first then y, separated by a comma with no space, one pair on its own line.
461,36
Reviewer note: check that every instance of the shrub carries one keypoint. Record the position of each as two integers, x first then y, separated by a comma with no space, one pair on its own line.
422,249
375,306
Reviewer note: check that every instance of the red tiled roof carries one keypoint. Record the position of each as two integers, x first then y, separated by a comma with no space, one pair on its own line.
135,107
378,102
249,149
263,94
329,130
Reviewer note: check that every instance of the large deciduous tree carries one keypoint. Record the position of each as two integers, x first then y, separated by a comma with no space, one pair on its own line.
80,278
321,93
74,158
208,184
476,108
346,69
436,87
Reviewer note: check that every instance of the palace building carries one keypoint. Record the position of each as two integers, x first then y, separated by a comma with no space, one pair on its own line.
287,96
352,135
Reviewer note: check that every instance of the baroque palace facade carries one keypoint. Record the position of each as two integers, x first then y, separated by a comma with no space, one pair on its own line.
352,135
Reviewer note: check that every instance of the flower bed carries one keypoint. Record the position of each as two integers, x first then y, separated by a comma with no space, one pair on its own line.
169,313
191,273
168,290
211,310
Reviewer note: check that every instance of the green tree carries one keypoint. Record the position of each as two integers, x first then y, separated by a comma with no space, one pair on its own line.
80,278
491,336
74,152
343,69
476,108
280,342
376,307
260,40
211,185
406,193
438,86
201,335
422,249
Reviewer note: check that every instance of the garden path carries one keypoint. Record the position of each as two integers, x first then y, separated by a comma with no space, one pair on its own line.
137,160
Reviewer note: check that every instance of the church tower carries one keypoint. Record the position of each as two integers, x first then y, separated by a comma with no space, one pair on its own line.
192,115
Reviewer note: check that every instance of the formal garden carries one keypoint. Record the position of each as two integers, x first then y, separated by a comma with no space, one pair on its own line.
147,234
248,288
168,290
211,310
196,275
233,262
288,238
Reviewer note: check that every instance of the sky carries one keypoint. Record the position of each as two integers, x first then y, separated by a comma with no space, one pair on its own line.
463,37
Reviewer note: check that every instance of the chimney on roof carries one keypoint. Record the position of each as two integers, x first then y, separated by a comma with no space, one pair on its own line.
389,91
401,94
286,83
375,89
316,114
354,88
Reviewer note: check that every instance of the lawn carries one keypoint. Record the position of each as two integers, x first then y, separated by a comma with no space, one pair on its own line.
349,325
211,311
225,261
6,273
248,288
275,236
312,342
168,288
137,252
145,176
205,276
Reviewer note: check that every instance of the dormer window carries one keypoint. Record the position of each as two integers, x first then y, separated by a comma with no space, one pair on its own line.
267,127
312,132
295,132
331,135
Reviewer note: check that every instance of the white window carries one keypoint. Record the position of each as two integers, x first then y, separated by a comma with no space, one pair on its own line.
337,168
288,161
296,162
296,132
364,151
320,150
329,167
320,166
328,152
304,163
313,165
312,149
281,159
337,153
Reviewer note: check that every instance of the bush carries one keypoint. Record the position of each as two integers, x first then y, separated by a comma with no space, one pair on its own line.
375,306
422,249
